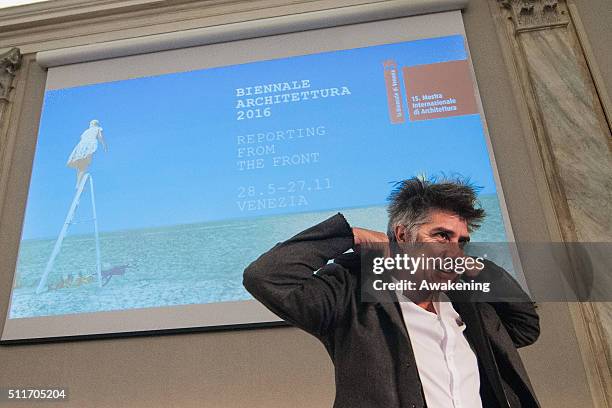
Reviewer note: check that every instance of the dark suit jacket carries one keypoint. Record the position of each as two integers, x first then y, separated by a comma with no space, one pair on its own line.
368,342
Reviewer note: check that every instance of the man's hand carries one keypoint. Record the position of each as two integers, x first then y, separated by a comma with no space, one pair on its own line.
374,240
364,236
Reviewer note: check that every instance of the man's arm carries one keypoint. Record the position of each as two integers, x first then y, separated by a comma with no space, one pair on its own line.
513,306
283,278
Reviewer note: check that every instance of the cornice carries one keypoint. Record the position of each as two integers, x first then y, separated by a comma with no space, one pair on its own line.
55,12
36,27
49,12
62,24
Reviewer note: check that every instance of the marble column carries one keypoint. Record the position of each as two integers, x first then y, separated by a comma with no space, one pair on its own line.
10,62
574,140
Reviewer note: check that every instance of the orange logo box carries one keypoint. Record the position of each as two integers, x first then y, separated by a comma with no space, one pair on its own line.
439,90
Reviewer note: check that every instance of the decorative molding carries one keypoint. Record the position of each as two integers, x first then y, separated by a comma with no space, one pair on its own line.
63,25
261,27
559,96
51,11
9,64
69,29
530,15
39,15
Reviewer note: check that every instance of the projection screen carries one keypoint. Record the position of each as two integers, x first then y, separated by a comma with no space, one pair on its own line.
159,177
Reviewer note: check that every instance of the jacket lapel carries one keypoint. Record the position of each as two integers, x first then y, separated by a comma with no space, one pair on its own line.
391,307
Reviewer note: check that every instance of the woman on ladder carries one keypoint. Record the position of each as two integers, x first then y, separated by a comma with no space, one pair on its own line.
80,158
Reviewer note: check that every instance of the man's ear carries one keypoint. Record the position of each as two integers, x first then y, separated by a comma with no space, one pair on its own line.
401,234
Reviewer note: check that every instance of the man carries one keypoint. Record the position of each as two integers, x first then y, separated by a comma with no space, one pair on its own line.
408,354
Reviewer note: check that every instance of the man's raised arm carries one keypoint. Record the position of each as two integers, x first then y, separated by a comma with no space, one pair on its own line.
513,306
283,278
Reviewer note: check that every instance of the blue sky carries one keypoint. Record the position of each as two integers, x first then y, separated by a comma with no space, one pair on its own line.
172,141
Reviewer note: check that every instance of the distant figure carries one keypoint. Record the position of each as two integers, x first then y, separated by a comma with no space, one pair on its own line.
79,280
116,271
64,282
80,158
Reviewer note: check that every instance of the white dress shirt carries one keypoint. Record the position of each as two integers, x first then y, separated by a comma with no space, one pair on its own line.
447,364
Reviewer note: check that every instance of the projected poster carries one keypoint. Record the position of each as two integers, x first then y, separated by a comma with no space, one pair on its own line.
156,192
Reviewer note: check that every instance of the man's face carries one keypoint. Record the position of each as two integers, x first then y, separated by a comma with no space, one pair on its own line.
443,236
444,227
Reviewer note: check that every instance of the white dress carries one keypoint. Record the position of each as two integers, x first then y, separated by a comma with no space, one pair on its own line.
86,147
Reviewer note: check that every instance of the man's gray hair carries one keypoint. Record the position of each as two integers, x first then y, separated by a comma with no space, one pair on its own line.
412,200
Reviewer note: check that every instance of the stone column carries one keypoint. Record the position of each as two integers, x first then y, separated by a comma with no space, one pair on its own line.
569,123
10,62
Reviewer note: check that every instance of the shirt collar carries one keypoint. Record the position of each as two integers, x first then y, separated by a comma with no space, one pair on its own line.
442,304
